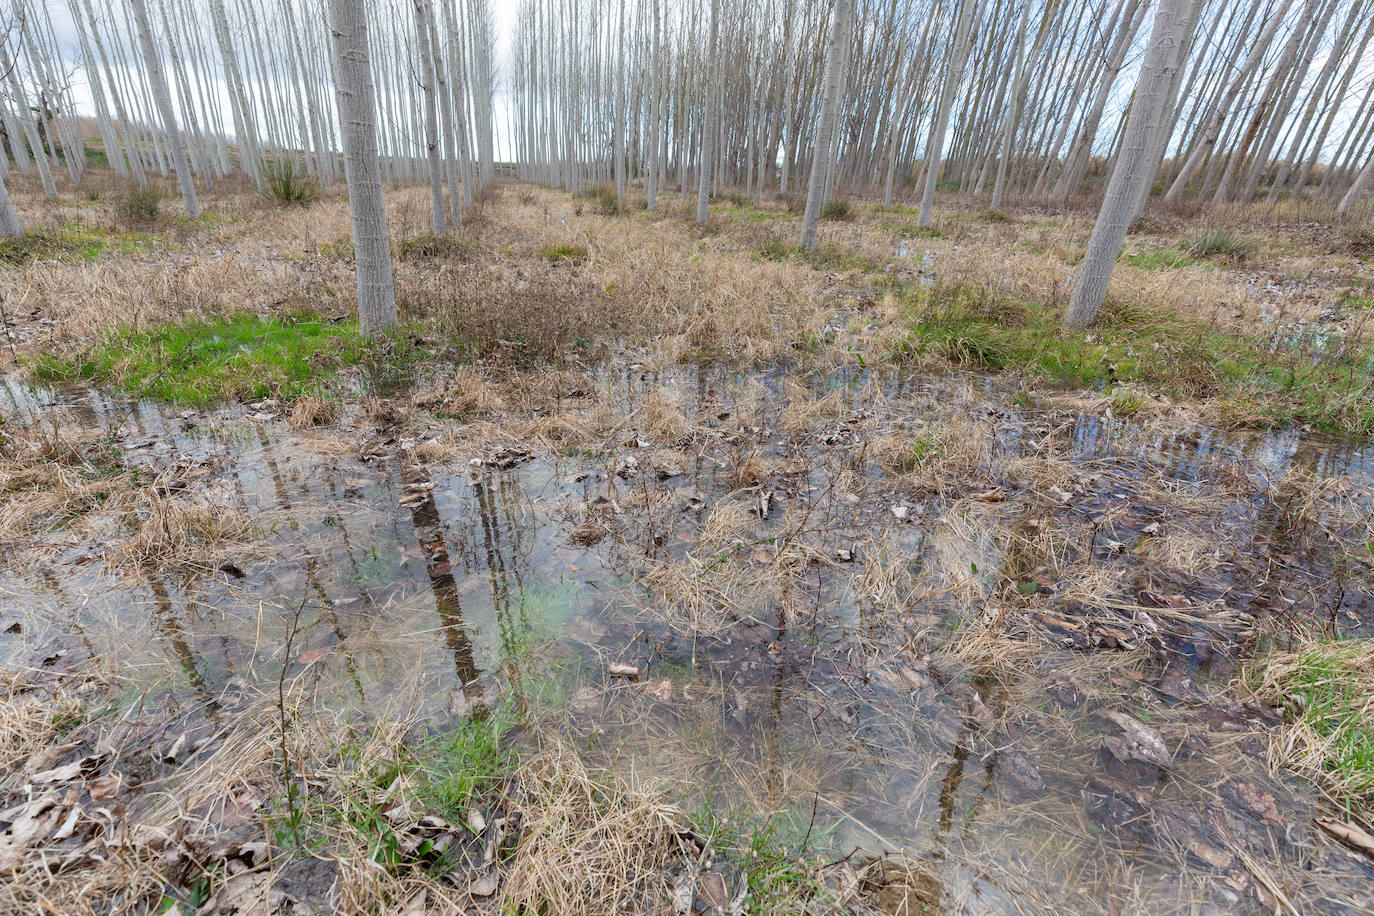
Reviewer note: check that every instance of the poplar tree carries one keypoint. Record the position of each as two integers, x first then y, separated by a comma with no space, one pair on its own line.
355,94
822,161
1131,171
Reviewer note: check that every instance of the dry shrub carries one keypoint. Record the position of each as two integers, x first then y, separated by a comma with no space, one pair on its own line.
936,456
663,418
805,409
29,723
520,318
310,411
588,845
749,470
170,529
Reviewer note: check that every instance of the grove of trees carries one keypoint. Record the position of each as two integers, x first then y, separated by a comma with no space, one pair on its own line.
1043,101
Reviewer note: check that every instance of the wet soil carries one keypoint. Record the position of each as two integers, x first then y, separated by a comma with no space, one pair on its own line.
907,613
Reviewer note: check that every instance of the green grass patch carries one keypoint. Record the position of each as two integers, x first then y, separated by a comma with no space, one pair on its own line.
1328,690
914,231
67,243
777,857
468,760
1255,382
824,257
431,247
240,356
565,253
1161,259
838,210
1224,244
288,184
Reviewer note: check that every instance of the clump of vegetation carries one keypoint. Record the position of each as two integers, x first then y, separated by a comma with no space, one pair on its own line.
915,231
838,210
431,247
1160,259
564,253
1126,402
68,243
1250,382
992,215
1327,689
605,200
1220,243
287,184
140,205
203,360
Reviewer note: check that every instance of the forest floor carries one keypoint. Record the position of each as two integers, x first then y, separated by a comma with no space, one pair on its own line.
661,568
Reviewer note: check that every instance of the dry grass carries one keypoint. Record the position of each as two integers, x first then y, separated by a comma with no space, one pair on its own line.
589,844
1327,688
175,530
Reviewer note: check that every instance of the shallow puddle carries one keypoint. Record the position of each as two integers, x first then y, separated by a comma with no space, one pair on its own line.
1013,675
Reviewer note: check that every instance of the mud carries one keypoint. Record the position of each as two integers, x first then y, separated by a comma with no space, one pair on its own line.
899,613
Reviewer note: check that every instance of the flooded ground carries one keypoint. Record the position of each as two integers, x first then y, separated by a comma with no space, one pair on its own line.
892,612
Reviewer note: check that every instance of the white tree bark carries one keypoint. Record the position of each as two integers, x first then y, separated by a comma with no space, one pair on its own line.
358,125
1132,166
431,128
1363,186
954,74
821,160
711,126
9,217
163,99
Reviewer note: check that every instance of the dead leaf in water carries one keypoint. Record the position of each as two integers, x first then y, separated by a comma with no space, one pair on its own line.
314,655
1256,802
1351,835
103,787
1138,741
484,886
660,690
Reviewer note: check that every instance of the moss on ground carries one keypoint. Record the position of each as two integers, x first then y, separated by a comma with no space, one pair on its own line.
200,361
1253,382
68,243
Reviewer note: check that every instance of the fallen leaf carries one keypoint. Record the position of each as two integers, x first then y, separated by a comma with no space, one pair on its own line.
995,495
484,886
660,690
66,773
314,655
1351,835
1139,741
31,822
416,905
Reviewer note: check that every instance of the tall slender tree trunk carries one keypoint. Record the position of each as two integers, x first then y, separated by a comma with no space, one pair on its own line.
710,126
1363,186
953,76
9,217
822,160
425,54
1132,166
358,126
162,97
